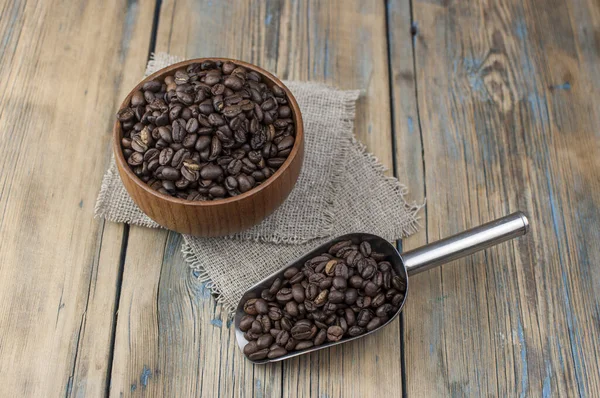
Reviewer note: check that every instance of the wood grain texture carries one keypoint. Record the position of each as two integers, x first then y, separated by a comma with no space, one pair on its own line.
214,217
317,47
62,68
508,110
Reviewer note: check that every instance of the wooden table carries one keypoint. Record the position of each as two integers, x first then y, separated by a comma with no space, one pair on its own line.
483,107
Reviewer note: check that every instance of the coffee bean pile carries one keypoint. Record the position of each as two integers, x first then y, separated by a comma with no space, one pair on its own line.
345,292
211,130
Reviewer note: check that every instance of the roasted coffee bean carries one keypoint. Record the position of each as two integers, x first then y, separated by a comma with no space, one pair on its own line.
302,330
290,272
397,299
257,326
276,285
291,307
374,324
298,292
336,297
250,348
246,322
356,281
265,322
321,298
368,271
320,337
282,338
276,352
284,295
365,248
266,295
286,324
258,355
303,345
351,296
363,301
363,318
384,310
340,283
311,291
398,283
330,267
264,341
335,333
378,300
211,172
249,307
371,289
354,331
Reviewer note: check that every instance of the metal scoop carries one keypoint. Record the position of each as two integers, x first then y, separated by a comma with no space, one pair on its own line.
406,264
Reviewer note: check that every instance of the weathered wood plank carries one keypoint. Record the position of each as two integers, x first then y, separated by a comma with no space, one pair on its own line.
61,72
316,47
507,96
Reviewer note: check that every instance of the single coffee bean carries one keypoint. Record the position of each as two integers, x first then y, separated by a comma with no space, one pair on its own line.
302,330
340,283
326,283
276,352
363,318
399,283
363,301
365,248
250,348
246,322
351,296
336,297
264,341
298,292
266,295
368,271
282,338
303,345
290,272
378,300
374,324
311,291
356,331
335,333
371,289
265,322
291,307
320,337
397,299
321,298
258,355
384,310
350,316
356,281
284,295
249,307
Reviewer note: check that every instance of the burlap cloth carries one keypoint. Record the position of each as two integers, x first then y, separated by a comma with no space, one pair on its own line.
341,189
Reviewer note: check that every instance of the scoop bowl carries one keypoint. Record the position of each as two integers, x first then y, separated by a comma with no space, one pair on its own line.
406,264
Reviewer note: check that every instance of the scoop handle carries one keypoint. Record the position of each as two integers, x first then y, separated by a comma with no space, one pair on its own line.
465,243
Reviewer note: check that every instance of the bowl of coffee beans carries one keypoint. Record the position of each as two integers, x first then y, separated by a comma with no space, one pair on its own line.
209,147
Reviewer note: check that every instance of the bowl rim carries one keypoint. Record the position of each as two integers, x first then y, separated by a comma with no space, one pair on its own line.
298,142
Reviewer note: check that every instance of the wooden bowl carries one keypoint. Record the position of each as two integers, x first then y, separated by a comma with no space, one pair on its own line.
221,216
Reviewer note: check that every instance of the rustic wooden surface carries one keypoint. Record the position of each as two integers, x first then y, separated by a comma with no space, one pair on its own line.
481,107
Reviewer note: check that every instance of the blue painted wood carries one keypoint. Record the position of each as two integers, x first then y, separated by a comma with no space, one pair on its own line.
509,115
